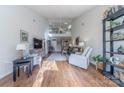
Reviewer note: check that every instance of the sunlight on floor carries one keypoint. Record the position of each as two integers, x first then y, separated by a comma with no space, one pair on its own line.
46,66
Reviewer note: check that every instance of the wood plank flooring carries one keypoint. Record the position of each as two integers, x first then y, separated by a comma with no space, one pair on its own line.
59,74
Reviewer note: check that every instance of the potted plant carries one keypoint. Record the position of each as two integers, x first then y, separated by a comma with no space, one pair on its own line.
99,60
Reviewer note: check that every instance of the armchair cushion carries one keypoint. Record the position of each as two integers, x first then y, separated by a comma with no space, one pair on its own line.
77,60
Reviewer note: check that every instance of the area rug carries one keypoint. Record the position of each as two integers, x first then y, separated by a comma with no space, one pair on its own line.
57,57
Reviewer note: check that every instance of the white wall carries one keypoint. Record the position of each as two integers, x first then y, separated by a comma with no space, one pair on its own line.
12,19
89,28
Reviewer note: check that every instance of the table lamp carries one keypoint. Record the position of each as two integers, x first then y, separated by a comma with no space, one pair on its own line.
21,48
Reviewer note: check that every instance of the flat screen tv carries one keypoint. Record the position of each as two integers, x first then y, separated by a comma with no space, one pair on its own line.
37,43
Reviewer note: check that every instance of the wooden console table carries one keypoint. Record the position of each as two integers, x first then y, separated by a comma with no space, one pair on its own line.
22,62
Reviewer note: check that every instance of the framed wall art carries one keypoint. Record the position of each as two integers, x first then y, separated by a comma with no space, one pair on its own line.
24,36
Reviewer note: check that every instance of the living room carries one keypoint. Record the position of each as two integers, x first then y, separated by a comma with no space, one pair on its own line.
65,46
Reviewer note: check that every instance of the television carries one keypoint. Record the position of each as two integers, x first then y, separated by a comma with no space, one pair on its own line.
37,43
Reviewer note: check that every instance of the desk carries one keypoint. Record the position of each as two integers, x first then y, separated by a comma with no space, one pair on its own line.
22,62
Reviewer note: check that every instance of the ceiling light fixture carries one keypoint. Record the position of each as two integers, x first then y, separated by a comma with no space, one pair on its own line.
69,27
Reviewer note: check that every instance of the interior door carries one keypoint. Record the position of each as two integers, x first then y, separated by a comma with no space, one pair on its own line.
54,44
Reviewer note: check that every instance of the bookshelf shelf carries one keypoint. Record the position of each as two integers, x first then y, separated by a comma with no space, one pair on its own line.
112,41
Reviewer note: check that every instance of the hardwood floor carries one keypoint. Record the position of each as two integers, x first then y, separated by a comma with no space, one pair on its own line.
59,74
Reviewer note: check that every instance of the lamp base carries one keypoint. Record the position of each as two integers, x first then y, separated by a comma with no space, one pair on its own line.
21,55
22,58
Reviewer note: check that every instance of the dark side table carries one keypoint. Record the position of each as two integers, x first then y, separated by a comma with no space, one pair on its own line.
22,62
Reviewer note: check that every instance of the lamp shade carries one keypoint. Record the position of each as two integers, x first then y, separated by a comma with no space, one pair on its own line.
81,44
21,47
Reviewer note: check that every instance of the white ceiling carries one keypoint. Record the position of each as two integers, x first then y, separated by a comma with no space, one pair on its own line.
61,11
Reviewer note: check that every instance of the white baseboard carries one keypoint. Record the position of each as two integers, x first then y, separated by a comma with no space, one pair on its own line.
5,69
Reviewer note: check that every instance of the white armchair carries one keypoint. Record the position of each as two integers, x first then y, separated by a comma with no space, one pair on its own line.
81,60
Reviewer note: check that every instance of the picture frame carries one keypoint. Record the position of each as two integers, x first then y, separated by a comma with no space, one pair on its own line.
23,36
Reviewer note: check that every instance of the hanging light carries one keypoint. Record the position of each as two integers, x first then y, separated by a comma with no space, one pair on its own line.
69,27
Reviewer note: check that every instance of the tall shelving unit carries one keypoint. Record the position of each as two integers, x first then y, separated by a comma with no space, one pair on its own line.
110,74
